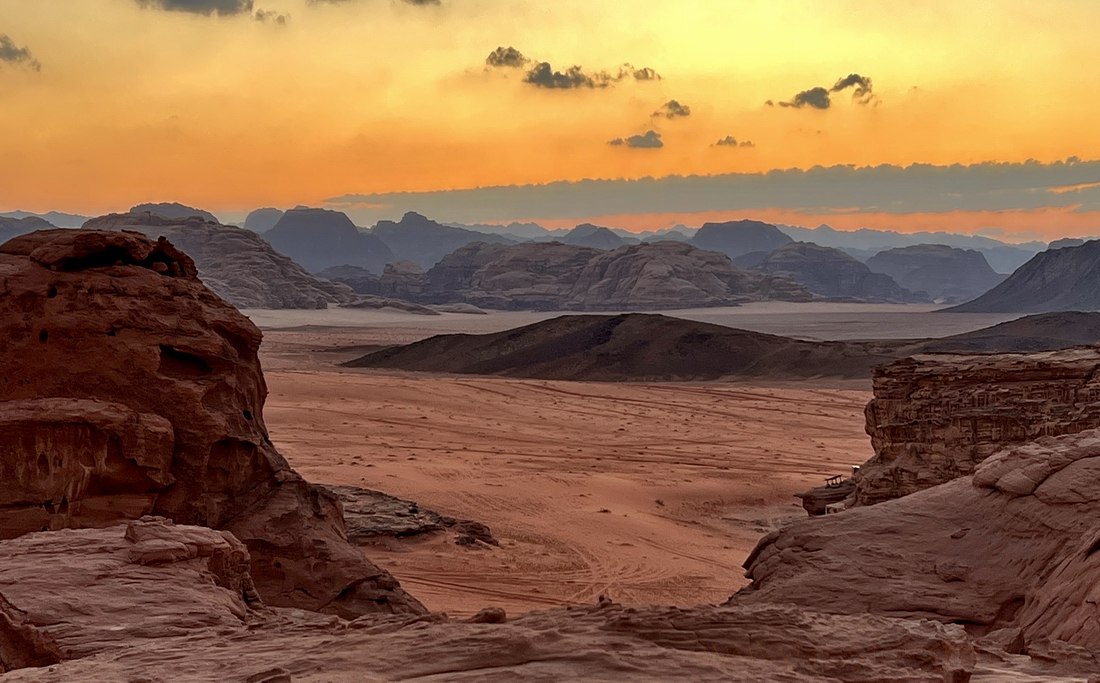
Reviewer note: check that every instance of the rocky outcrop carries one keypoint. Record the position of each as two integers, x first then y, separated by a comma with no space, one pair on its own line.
130,389
319,239
370,515
935,418
947,274
1012,546
588,235
1066,279
22,644
737,238
555,276
830,273
236,263
173,211
13,227
425,242
262,220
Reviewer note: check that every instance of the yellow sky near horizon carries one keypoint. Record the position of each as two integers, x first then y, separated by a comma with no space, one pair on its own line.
134,104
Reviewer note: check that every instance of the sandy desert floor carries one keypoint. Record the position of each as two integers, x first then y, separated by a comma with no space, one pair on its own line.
648,493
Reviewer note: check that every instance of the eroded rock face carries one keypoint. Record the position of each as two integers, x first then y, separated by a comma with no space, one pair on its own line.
935,417
831,273
22,644
131,389
1015,545
946,274
236,263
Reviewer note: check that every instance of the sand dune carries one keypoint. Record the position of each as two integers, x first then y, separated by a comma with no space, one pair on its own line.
650,493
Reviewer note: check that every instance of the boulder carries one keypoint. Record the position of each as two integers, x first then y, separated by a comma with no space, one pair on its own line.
936,417
236,263
131,389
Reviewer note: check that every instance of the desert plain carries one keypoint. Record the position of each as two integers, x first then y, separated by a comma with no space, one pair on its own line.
648,493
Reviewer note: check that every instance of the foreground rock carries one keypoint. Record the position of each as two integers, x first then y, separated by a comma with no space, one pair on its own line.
130,389
832,274
1063,279
935,418
155,601
947,274
236,263
1011,547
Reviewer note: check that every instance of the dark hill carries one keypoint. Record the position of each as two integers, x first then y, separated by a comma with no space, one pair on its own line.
319,239
1066,279
644,347
830,273
737,238
588,235
424,242
947,274
173,211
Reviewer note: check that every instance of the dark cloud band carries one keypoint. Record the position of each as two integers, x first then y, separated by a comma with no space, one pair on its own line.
10,53
650,139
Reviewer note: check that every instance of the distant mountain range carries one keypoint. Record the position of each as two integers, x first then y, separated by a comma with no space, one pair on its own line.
54,218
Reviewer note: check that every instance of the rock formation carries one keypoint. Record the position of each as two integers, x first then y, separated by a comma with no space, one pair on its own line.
236,263
22,644
1066,279
370,515
425,242
935,418
830,273
130,389
319,239
13,227
555,276
262,220
55,219
588,235
947,274
174,211
1012,546
737,238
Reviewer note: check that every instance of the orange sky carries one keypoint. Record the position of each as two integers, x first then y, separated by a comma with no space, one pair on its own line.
228,113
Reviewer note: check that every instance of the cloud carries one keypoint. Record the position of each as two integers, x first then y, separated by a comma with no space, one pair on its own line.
270,15
19,56
651,139
508,57
205,7
542,75
913,189
672,110
424,3
730,141
419,3
643,74
819,97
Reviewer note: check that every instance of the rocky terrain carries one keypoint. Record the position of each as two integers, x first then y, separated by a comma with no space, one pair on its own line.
319,239
655,347
174,211
831,274
54,218
927,429
424,242
236,263
1066,279
152,532
947,274
131,389
737,238
555,276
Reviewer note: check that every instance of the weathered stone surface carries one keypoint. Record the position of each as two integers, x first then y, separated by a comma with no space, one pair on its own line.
179,619
131,389
936,417
1012,546
236,263
555,276
831,273
22,644
369,515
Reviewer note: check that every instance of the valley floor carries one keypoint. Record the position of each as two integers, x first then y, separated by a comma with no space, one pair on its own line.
648,493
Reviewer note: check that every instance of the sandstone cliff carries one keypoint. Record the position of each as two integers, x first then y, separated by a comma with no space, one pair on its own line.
947,274
934,418
830,273
319,239
737,238
131,389
1066,279
236,263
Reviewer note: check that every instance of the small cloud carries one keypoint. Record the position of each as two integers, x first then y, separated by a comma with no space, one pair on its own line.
862,85
424,3
19,56
508,57
542,75
420,3
672,110
643,74
730,141
270,15
817,98
205,7
651,139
